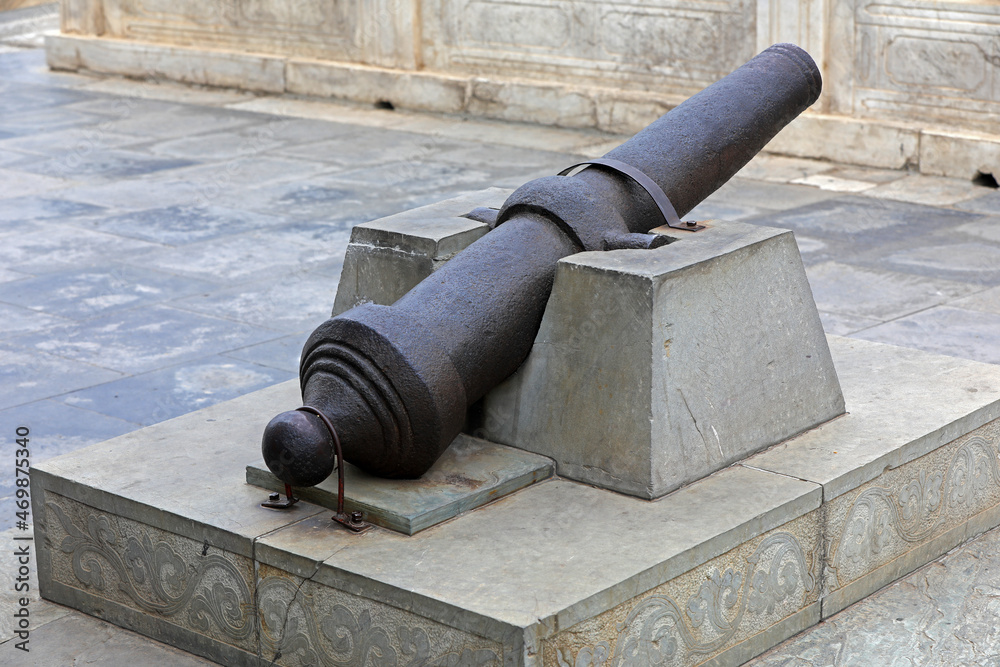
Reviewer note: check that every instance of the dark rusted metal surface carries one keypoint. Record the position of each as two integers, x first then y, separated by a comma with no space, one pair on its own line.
396,380
274,501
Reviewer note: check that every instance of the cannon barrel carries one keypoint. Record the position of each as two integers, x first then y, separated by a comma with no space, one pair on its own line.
396,381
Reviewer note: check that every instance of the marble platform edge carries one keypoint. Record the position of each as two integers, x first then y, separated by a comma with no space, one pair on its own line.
872,142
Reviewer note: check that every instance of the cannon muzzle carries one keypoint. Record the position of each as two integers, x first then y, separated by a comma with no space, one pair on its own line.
396,381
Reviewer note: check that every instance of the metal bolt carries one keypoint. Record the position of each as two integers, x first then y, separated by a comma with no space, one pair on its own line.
356,517
691,223
274,497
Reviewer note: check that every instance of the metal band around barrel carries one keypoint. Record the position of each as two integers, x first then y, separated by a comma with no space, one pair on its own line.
646,183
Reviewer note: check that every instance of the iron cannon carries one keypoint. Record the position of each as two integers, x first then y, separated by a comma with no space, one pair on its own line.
390,385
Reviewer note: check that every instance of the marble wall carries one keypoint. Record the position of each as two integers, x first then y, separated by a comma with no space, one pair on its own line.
900,65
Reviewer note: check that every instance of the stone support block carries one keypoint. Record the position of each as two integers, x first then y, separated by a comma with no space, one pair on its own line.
656,368
386,258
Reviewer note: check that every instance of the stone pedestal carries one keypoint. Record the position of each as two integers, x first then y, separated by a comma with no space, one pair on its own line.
158,531
171,542
901,79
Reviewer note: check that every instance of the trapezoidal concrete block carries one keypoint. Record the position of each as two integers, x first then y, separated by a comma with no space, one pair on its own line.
654,368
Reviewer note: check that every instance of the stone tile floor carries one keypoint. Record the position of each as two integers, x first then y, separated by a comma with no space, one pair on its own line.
165,247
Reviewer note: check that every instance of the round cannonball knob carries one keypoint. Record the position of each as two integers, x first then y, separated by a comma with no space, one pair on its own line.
298,449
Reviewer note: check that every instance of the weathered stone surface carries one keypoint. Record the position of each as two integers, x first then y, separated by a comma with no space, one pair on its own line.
647,387
959,154
413,90
887,144
469,474
941,614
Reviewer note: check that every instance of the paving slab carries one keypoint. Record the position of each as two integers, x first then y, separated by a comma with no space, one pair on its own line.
772,196
29,375
15,320
76,141
179,225
946,330
18,183
292,302
22,209
77,639
987,200
974,263
928,190
149,398
878,294
49,248
139,340
872,220
282,353
251,256
98,290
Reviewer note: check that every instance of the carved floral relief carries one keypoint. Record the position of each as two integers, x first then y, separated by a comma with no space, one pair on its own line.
185,583
912,504
703,612
305,623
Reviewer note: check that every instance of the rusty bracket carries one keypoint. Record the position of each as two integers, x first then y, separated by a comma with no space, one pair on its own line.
355,521
646,183
274,500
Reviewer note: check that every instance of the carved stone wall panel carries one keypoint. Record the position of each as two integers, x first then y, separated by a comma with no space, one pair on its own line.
670,46
927,61
802,22
306,623
378,32
908,506
705,611
185,583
